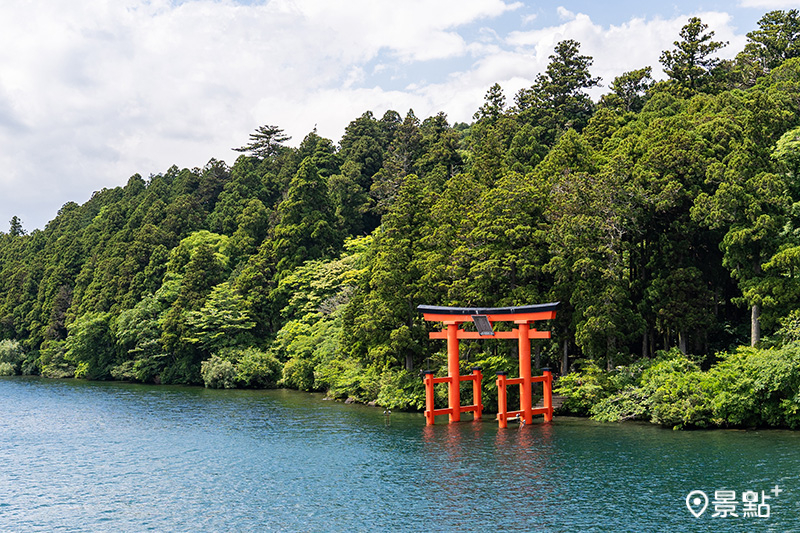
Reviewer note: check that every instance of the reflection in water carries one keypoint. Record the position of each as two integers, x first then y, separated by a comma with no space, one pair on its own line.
449,480
523,462
118,457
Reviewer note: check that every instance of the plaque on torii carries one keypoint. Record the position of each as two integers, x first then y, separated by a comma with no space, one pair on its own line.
483,318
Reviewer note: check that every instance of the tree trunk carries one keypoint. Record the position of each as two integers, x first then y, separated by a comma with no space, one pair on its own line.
611,349
645,350
409,361
682,342
755,327
537,359
565,359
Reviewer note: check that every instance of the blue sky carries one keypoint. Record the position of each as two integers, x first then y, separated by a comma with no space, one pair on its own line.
92,92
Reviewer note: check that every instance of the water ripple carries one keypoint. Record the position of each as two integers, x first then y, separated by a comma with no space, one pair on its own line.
82,456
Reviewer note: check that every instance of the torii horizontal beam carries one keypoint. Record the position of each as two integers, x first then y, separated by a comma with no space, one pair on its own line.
513,334
524,313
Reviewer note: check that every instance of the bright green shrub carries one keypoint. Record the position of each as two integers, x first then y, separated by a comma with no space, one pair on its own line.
747,388
53,362
630,403
584,388
340,377
669,390
680,399
11,357
218,373
400,389
257,369
241,367
346,378
7,369
759,387
298,374
90,346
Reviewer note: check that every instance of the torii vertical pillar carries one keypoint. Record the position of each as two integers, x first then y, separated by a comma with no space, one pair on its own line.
453,372
525,397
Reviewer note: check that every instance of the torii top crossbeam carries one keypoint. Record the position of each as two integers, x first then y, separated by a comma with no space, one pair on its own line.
528,313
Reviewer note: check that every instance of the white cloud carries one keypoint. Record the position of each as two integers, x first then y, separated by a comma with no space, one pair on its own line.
94,91
616,49
769,4
564,13
529,19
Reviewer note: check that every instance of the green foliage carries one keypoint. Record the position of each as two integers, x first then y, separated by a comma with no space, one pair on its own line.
557,100
791,327
493,106
223,320
265,142
679,394
759,387
298,373
258,369
776,40
401,390
346,378
584,388
15,227
690,65
662,217
90,346
746,388
11,357
490,365
241,368
52,361
307,226
629,91
669,390
351,201
787,151
218,373
628,404
138,337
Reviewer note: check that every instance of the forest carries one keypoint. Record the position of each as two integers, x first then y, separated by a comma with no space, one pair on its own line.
664,217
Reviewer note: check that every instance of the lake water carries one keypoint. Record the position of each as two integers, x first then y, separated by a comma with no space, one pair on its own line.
78,456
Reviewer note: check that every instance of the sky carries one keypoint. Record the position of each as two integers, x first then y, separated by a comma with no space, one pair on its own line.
92,92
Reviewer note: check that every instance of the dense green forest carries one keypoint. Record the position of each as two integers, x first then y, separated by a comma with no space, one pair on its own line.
665,218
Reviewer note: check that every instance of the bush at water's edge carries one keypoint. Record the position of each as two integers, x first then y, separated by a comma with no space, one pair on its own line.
748,387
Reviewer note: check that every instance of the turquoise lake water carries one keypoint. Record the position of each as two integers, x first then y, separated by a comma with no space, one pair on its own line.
78,456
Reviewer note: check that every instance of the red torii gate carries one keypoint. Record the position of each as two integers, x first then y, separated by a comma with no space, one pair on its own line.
483,318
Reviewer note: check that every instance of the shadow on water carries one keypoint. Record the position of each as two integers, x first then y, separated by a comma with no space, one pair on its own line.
81,456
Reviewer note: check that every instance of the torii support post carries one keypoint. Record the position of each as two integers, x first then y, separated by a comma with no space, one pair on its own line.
477,380
525,397
547,394
503,414
452,317
453,372
476,408
502,400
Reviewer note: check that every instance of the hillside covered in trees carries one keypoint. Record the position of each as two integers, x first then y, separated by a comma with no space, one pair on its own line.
665,215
